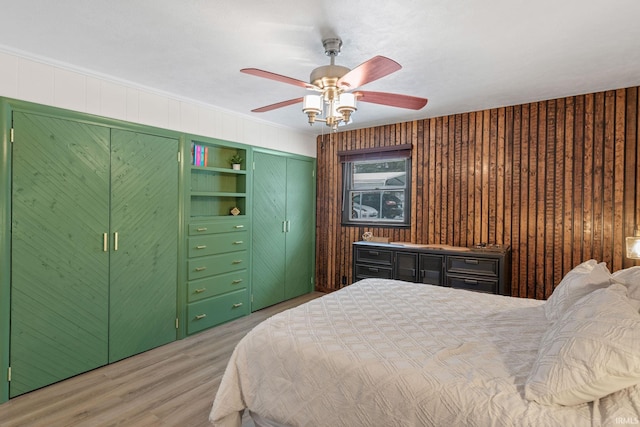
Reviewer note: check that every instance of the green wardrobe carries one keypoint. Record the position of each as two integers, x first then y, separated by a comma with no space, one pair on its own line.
94,246
283,227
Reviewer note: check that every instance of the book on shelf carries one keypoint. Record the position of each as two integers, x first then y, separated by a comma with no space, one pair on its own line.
199,155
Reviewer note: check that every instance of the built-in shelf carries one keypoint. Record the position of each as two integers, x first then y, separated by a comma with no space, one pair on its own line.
216,188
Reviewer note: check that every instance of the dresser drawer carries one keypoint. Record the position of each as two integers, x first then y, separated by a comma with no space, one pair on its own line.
217,264
217,285
475,284
473,266
217,244
374,255
219,226
367,271
213,311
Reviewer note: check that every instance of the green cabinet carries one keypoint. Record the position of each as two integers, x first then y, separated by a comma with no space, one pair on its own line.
219,235
283,227
143,265
94,247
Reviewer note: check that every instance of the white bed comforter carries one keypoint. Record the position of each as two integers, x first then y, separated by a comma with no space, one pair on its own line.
391,353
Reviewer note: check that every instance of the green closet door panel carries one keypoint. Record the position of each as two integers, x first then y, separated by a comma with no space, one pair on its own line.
59,271
144,214
300,214
268,269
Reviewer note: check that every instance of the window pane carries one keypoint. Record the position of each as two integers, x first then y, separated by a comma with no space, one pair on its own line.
360,210
378,174
376,192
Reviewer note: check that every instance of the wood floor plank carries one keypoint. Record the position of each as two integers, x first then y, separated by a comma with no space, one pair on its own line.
172,385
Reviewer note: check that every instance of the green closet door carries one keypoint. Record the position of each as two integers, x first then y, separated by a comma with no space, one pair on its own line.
301,216
144,214
59,271
269,203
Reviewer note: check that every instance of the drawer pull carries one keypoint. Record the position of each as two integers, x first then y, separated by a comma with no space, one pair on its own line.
472,261
375,270
237,261
201,229
238,304
470,282
201,268
374,253
238,226
200,316
201,290
235,282
238,242
201,247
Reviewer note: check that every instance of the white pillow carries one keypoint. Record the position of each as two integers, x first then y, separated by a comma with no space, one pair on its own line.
630,277
592,351
583,279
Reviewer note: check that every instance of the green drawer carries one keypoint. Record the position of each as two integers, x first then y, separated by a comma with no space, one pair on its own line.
213,311
217,285
217,264
219,226
217,244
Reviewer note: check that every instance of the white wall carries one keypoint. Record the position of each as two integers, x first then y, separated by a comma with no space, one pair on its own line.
35,81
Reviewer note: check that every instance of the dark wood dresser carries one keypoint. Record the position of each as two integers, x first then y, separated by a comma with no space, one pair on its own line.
483,269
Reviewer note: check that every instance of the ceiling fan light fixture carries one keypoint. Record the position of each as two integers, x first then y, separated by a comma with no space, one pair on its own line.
335,103
346,105
312,107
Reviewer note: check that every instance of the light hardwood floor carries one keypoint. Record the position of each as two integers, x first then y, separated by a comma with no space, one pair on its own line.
172,385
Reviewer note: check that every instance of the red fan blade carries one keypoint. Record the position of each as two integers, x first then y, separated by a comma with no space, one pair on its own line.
371,70
277,105
391,99
277,77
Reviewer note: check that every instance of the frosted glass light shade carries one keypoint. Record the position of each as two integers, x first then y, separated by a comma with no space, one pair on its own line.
633,247
347,101
312,104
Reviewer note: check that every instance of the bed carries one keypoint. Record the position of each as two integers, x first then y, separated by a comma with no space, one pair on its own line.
391,353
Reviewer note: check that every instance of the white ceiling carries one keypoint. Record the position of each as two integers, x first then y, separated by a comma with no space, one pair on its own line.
463,55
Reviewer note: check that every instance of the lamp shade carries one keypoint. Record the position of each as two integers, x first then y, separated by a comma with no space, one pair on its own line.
312,103
347,101
633,247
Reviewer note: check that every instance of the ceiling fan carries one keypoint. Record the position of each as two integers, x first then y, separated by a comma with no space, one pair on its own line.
337,86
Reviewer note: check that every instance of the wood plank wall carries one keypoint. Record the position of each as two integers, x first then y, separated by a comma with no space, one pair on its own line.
556,180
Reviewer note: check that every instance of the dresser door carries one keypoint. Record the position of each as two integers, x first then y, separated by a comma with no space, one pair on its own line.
59,268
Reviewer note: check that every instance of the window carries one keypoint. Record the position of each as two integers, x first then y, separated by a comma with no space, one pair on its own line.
377,192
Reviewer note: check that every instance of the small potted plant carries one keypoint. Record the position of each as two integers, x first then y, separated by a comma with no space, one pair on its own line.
235,161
